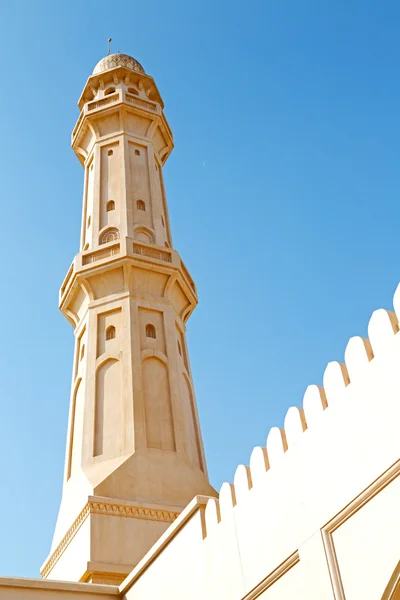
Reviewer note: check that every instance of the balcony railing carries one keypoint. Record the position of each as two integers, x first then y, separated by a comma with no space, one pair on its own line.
67,279
141,103
151,252
99,254
186,273
78,123
111,99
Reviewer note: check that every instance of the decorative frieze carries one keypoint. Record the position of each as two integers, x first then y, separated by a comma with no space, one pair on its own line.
103,102
109,510
141,103
152,253
100,254
78,123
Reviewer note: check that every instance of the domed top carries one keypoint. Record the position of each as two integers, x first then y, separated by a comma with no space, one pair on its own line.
117,60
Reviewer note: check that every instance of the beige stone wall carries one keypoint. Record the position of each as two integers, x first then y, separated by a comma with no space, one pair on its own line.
14,588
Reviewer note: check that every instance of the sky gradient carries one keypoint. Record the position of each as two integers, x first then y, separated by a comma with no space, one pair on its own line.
283,192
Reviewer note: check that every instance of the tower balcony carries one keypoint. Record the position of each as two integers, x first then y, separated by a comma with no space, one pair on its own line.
123,93
122,254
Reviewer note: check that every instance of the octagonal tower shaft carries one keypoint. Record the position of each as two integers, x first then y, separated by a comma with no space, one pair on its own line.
134,456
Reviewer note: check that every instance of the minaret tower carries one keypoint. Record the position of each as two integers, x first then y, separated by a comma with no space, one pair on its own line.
134,456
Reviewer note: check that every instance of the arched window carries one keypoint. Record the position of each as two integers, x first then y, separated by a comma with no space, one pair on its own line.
89,220
86,247
143,234
133,91
110,90
166,245
110,205
110,235
110,332
82,352
140,205
150,331
179,348
137,152
162,221
110,153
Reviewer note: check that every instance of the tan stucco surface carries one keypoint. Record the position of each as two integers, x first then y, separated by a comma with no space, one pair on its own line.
20,588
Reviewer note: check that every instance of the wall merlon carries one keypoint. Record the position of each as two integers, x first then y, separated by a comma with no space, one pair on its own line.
294,425
259,464
335,379
314,404
212,515
227,499
396,302
357,355
242,482
382,327
276,445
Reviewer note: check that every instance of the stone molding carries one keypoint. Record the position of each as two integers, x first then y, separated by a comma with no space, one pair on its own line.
14,587
327,531
269,581
109,509
392,590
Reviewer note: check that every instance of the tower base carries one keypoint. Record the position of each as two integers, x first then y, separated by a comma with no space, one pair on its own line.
107,540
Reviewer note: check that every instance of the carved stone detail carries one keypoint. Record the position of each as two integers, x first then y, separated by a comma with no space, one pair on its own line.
103,102
118,60
109,509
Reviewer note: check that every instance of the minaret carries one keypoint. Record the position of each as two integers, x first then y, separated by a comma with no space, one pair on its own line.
134,456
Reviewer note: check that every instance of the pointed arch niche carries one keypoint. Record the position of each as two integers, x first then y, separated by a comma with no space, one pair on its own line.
108,418
157,402
109,235
144,234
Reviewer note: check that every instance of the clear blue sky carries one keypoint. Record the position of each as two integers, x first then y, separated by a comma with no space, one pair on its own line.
283,192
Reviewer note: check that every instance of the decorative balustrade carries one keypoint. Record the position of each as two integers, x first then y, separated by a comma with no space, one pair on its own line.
92,257
151,252
67,279
141,103
168,128
103,102
186,273
78,123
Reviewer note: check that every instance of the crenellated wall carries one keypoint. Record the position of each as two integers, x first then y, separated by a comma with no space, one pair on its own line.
315,515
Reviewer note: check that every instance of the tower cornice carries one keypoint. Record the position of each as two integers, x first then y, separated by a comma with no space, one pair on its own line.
129,254
100,81
86,131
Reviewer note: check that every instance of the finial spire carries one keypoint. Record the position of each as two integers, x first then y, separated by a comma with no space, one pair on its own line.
109,45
